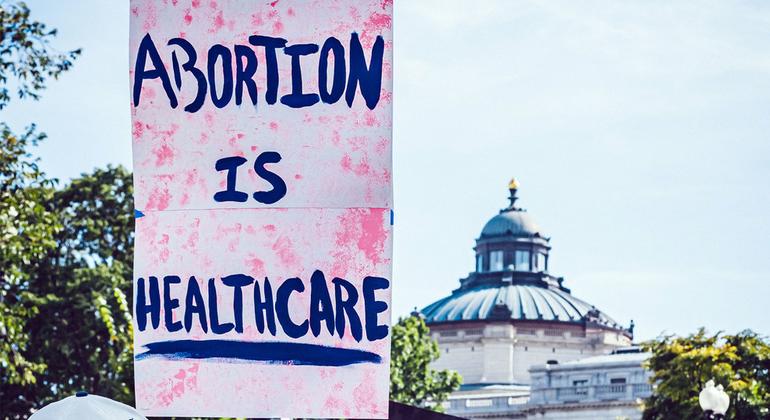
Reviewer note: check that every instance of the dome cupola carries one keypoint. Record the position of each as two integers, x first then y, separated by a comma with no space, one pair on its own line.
512,220
511,240
511,280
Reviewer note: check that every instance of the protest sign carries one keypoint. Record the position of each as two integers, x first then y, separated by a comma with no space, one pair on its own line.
262,173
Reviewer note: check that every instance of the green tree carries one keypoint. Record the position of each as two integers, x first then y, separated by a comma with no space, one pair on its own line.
682,365
27,230
82,332
26,56
26,226
412,380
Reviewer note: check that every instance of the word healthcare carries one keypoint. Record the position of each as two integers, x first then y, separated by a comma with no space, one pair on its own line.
267,308
220,65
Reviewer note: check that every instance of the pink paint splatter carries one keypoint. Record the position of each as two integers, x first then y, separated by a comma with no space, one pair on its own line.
192,241
151,17
148,92
346,162
256,19
284,248
138,130
363,167
379,21
382,145
365,394
191,178
159,199
274,126
372,242
366,229
209,118
187,17
277,27
255,265
163,154
219,22
196,3
360,168
192,377
370,119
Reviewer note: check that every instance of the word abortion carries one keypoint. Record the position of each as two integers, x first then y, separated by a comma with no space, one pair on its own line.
238,83
269,310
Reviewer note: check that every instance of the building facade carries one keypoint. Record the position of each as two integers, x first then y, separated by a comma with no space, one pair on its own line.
511,314
608,387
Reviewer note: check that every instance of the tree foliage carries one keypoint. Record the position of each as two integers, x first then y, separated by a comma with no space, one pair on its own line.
682,365
26,56
412,380
81,332
27,229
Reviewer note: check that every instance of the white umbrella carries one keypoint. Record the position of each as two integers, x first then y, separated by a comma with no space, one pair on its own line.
82,406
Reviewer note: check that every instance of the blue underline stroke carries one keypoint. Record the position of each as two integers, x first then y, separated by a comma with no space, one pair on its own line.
271,352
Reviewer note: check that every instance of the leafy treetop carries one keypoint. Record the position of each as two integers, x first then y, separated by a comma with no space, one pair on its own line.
25,53
682,365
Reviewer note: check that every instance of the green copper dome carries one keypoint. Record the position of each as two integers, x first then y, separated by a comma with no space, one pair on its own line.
511,222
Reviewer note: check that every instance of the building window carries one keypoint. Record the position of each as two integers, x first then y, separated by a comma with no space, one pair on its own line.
581,387
617,385
521,260
540,262
474,332
496,261
479,263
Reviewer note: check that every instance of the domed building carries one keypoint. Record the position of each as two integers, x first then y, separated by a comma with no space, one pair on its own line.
511,314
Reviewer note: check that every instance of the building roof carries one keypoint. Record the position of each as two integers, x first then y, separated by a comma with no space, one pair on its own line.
609,359
515,302
614,359
511,222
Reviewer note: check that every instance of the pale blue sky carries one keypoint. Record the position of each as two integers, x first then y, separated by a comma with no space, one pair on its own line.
638,130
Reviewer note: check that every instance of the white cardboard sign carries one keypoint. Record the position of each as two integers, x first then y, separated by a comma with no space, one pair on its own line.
262,159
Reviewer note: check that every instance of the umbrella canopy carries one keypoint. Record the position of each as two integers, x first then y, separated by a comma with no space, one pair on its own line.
85,406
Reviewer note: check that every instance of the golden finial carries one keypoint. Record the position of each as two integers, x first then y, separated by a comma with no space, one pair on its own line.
513,185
